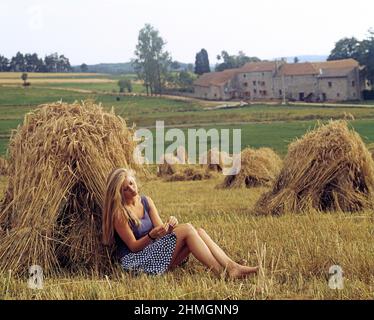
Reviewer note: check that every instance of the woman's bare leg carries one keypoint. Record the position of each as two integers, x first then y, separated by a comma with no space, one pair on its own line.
182,255
187,235
218,253
223,258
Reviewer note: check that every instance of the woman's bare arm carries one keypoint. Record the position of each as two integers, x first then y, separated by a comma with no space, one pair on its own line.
153,214
126,234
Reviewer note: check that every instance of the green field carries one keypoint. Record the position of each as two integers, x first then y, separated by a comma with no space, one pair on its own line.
96,87
262,125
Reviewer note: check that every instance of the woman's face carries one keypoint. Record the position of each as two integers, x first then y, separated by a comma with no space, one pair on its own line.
129,188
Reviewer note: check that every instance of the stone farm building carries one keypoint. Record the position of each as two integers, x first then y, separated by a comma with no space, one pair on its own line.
338,80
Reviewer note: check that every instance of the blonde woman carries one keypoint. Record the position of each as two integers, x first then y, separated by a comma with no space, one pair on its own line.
145,244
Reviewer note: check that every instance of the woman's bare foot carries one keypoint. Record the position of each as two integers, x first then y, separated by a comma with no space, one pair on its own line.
237,271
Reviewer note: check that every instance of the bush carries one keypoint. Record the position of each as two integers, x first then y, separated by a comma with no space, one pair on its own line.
125,84
368,94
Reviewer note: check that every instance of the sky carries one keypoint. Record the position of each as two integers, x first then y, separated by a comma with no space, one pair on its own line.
103,31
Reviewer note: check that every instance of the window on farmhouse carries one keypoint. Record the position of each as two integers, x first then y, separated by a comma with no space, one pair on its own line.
254,91
254,83
245,84
280,92
330,84
353,84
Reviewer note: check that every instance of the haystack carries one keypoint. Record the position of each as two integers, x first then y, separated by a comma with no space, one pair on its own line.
328,169
59,160
257,168
214,160
168,165
175,169
189,173
3,166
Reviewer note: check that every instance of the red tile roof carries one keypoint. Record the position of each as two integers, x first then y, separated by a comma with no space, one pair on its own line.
334,73
336,64
337,68
259,67
296,69
215,78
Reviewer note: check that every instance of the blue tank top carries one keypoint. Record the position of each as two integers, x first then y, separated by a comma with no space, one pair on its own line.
139,232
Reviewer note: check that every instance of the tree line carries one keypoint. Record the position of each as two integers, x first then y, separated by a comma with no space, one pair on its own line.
32,63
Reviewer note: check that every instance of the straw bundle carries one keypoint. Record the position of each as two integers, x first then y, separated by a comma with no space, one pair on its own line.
175,169
3,166
257,168
189,173
329,168
214,160
168,165
59,162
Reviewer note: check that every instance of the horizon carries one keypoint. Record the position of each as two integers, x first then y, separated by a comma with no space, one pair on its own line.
107,32
212,64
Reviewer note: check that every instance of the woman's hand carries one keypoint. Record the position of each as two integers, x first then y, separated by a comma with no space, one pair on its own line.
172,223
159,232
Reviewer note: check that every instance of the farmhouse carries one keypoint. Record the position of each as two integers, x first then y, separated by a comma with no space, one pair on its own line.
217,85
256,80
324,81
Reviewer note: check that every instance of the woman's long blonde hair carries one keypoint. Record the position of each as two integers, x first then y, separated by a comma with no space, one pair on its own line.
113,204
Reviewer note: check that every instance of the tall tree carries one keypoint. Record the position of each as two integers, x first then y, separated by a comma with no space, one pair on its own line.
234,61
346,48
31,62
202,62
17,63
4,63
51,62
367,55
56,63
151,62
124,84
63,64
84,67
362,51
